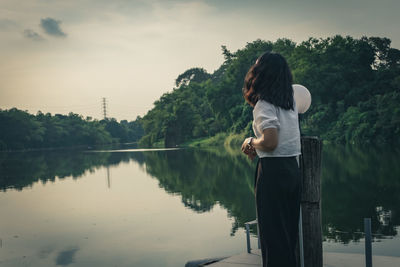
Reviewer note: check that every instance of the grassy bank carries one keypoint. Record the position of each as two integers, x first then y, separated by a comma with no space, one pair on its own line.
221,139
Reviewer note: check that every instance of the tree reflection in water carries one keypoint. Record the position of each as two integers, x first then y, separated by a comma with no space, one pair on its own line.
356,183
204,178
359,183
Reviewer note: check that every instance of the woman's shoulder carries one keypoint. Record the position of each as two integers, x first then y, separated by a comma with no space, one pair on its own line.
266,108
262,105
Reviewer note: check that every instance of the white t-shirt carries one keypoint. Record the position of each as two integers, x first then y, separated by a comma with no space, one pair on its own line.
267,115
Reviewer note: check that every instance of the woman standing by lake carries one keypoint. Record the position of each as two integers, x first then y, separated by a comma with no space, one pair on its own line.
268,89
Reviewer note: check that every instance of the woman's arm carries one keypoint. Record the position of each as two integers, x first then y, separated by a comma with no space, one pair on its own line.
267,142
266,122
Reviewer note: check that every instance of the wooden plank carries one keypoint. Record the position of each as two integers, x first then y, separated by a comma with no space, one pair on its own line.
330,260
244,259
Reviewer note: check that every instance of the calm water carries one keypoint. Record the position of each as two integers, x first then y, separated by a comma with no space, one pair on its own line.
164,208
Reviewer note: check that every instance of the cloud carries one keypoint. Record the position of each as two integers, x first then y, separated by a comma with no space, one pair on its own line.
31,34
66,257
52,27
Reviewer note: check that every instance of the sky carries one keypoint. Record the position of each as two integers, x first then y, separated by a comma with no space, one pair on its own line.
64,56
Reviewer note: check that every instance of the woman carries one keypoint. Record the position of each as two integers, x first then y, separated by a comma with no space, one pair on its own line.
268,89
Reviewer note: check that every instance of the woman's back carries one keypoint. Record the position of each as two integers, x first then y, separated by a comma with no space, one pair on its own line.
267,115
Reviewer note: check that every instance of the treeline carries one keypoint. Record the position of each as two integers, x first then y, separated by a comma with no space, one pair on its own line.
355,86
21,130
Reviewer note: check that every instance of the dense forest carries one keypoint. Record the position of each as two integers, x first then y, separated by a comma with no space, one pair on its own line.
21,130
355,87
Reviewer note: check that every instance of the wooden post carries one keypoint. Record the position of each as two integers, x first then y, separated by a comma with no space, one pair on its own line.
310,164
368,245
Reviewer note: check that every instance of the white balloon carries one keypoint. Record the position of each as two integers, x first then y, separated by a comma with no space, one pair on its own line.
302,97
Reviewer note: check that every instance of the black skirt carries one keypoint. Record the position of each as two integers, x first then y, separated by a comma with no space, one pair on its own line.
278,192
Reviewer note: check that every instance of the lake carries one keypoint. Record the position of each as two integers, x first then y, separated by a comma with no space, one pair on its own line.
127,207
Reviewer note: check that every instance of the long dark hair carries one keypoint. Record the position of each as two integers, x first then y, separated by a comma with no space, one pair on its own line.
269,79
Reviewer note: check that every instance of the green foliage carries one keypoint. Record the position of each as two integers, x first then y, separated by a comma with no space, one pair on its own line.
213,141
21,130
192,75
354,85
377,119
18,128
235,140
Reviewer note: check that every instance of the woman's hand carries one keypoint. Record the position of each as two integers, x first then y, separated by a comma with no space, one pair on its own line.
246,145
252,154
248,149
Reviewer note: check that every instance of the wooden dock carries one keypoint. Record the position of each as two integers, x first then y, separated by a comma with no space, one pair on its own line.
253,259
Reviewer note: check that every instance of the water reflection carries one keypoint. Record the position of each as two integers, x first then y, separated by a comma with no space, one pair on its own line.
359,183
20,170
204,178
356,183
